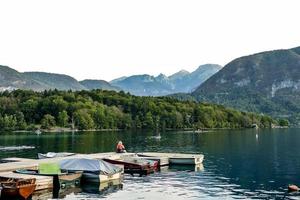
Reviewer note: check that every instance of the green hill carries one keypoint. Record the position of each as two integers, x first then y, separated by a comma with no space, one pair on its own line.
11,79
267,82
101,109
54,81
98,84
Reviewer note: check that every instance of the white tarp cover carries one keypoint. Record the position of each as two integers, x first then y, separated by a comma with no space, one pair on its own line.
89,165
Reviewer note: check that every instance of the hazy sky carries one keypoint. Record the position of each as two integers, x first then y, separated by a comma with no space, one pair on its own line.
107,39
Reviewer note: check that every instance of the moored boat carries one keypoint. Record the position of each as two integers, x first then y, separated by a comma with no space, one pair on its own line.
54,155
94,171
61,178
161,161
17,188
135,165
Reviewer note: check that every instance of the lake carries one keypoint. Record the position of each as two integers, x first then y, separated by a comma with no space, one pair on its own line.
239,164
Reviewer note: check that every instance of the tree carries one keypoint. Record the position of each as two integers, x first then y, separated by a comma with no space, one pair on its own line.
63,118
21,123
148,122
283,122
8,122
29,109
100,118
47,122
83,120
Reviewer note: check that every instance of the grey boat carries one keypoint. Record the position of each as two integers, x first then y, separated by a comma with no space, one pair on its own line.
54,155
94,171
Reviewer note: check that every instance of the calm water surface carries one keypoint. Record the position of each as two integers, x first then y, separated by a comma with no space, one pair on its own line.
246,164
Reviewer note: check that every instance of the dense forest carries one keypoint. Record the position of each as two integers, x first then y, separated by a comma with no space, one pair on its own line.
97,109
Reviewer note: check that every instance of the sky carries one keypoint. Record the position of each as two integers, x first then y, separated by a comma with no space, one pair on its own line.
113,38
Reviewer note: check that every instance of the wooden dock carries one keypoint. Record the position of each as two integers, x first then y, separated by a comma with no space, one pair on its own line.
46,182
23,163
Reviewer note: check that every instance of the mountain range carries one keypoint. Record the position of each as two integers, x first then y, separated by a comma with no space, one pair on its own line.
266,82
141,85
11,79
182,81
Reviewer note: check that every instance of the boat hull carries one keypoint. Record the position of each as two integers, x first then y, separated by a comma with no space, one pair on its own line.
133,168
99,178
54,155
17,188
70,180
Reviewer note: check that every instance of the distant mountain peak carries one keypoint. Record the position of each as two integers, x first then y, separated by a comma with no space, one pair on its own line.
206,66
161,76
179,74
182,81
92,84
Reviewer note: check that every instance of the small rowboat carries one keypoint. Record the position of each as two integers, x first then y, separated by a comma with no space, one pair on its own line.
135,165
54,155
17,188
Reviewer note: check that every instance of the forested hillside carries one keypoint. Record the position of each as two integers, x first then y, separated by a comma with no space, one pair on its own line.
266,82
99,109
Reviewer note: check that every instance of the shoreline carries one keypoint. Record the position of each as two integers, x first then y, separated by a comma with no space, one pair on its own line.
188,130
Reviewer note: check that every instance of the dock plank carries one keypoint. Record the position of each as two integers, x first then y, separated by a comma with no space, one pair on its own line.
23,163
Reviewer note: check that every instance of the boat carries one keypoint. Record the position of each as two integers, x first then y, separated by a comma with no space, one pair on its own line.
54,155
154,162
61,178
134,165
177,158
94,171
38,132
161,161
293,188
17,188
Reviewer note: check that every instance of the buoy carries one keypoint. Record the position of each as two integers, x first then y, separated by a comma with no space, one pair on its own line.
293,188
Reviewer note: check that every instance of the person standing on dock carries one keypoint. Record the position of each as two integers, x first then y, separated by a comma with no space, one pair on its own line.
120,147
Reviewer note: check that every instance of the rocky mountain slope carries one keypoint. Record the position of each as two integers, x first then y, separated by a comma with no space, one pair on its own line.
267,82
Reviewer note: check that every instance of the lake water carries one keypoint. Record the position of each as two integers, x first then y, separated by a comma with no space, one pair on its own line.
245,164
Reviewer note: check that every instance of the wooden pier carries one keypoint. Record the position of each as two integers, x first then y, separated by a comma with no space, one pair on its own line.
46,182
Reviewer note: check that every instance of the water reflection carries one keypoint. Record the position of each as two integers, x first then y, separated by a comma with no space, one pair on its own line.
187,168
103,188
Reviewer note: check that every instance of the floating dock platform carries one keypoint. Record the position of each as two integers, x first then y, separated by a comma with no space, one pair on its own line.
46,183
176,158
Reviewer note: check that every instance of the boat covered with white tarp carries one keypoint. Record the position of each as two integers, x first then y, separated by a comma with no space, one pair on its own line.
94,171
